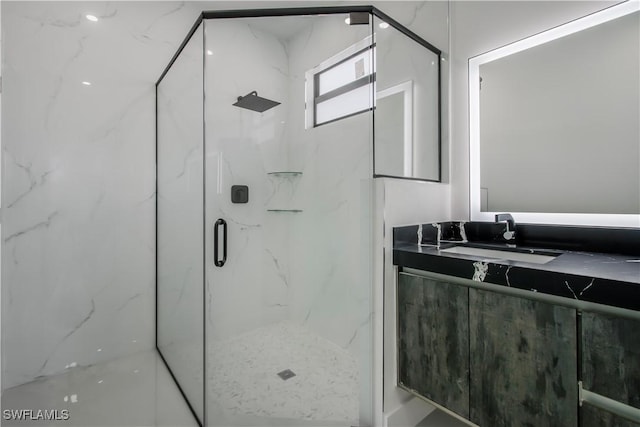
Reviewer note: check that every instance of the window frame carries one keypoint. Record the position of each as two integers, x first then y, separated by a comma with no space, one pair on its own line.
312,82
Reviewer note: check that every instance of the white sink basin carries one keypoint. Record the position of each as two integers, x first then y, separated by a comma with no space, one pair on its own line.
498,254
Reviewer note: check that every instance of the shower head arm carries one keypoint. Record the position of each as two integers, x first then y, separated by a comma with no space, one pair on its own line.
254,93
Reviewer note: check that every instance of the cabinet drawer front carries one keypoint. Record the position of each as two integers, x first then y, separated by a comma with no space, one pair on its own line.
610,364
523,362
433,341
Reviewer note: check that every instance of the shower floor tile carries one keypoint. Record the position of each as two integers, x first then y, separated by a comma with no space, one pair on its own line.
135,390
244,381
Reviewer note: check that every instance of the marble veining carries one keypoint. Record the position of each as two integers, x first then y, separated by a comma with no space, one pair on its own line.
587,287
78,326
42,224
480,271
571,290
33,181
506,276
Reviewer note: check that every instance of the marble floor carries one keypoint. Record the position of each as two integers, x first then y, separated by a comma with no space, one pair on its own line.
135,390
245,389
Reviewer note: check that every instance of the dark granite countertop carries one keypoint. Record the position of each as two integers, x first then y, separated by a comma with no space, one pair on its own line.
603,278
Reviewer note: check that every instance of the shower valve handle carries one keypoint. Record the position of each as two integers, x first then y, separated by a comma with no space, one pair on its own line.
216,232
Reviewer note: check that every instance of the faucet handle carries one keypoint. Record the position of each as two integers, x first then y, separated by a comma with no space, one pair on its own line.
509,234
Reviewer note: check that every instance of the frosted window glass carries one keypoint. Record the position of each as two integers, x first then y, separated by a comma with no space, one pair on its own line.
346,72
354,101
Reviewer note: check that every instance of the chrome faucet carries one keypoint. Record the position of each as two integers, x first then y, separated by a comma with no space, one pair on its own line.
510,233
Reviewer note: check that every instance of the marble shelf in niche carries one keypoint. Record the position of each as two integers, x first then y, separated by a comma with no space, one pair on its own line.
285,174
284,178
285,210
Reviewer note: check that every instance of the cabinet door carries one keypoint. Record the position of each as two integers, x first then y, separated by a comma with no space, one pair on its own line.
523,362
433,341
610,365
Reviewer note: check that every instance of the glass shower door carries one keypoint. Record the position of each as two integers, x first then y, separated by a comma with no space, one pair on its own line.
180,210
288,221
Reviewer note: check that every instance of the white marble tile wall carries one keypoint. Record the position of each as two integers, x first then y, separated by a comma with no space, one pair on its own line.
78,179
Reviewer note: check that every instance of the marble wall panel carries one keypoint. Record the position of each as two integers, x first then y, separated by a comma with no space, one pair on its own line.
78,179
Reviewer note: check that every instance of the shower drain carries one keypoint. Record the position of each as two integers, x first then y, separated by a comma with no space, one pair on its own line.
286,374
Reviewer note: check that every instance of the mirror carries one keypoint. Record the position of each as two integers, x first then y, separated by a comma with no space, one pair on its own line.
554,129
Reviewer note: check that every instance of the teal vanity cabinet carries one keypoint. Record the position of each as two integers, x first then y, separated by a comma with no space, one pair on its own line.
514,335
522,361
433,341
494,359
610,365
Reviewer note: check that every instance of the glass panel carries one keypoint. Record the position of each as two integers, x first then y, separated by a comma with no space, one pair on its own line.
406,69
179,220
289,334
346,72
354,101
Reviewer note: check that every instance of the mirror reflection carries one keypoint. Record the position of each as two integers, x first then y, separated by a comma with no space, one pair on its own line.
394,141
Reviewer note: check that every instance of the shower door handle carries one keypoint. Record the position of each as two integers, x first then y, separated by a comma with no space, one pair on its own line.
216,232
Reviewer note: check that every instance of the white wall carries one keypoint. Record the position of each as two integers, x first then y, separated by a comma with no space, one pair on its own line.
477,27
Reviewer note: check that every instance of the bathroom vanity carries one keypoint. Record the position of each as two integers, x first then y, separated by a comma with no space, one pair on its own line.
541,330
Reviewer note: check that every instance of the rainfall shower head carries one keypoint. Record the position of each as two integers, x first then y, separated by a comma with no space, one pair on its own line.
253,102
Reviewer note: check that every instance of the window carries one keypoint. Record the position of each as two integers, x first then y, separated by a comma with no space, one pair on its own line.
341,86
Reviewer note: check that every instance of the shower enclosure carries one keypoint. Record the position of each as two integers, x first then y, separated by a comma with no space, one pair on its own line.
265,167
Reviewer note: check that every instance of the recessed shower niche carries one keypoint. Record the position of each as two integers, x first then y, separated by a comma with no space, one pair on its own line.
284,102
